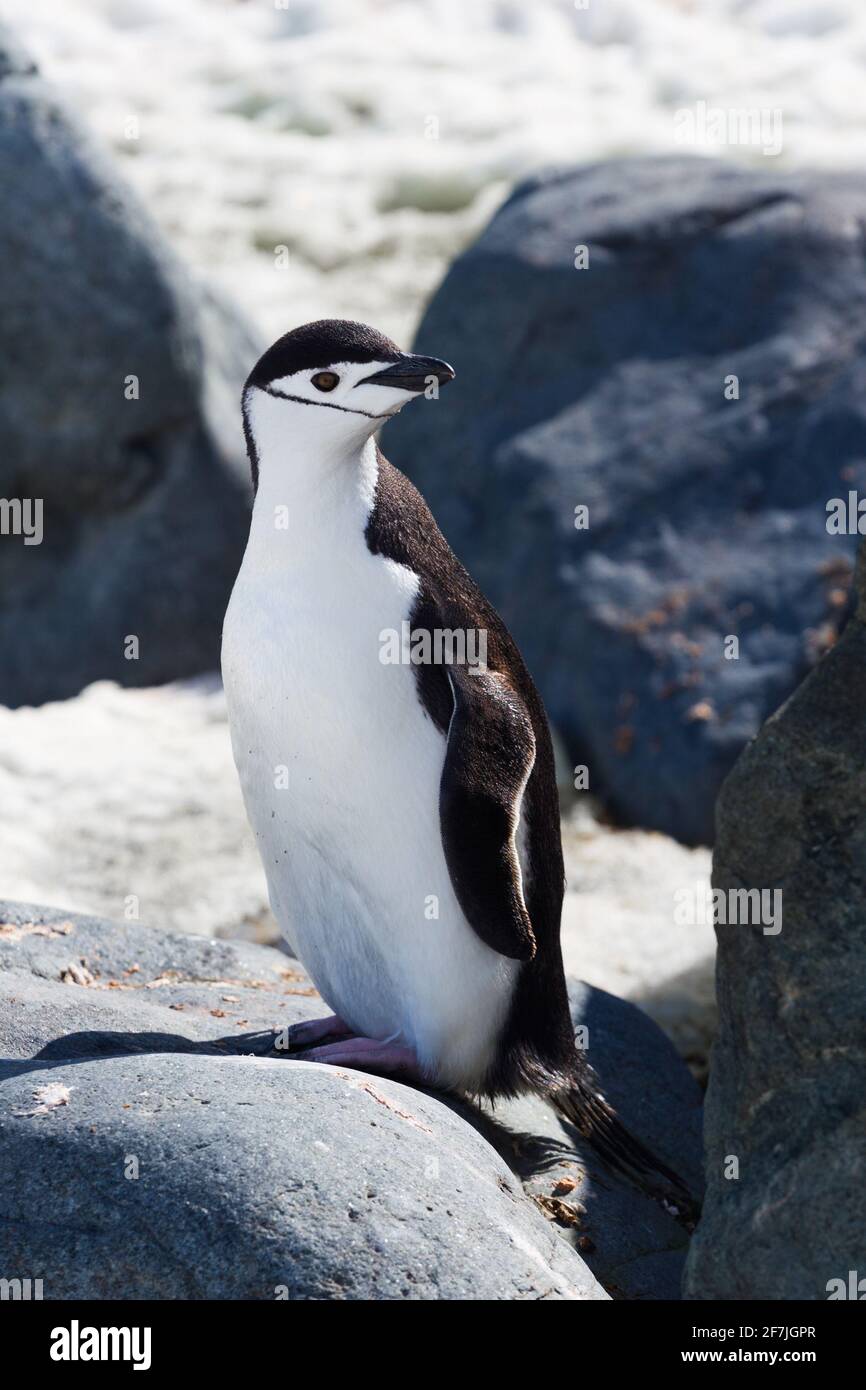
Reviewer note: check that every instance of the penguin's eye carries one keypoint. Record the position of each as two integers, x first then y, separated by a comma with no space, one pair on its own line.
325,381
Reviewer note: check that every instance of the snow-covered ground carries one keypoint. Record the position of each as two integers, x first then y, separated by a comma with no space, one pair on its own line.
126,803
373,138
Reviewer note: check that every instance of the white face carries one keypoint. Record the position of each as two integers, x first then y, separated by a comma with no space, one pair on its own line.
343,387
331,412
334,410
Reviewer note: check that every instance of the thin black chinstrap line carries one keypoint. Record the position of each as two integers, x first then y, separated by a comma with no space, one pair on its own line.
329,405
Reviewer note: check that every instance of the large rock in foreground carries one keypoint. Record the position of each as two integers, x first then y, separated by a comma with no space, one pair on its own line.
145,500
605,388
152,1144
787,1094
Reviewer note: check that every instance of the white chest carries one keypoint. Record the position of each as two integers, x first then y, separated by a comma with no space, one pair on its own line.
321,727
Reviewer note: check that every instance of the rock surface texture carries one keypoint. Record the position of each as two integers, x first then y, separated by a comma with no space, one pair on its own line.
119,414
612,388
153,1143
787,1093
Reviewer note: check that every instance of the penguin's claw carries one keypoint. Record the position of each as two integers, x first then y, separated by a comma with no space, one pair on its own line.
369,1054
313,1030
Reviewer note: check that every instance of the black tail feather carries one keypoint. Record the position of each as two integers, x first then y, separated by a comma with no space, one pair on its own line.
586,1108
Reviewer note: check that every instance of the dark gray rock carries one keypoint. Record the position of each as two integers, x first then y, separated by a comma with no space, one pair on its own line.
145,502
258,1178
788,1070
255,1177
605,387
331,1183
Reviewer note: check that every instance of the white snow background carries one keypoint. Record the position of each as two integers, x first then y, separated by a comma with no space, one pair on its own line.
373,138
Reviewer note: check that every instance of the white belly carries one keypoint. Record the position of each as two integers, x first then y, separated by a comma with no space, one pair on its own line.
340,770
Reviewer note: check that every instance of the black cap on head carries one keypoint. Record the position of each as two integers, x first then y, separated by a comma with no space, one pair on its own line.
318,345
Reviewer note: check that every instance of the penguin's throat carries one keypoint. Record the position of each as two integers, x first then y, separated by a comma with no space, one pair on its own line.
305,499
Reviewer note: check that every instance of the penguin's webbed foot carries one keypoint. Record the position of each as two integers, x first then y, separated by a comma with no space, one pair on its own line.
313,1030
370,1054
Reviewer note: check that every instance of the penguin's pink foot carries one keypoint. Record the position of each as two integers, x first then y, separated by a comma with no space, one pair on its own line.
312,1030
369,1054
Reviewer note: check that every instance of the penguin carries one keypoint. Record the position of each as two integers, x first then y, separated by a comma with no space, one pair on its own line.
405,807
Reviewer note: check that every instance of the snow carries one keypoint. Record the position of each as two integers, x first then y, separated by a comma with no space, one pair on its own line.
126,803
373,138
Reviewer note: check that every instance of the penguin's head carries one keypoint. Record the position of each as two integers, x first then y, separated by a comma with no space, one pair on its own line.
333,384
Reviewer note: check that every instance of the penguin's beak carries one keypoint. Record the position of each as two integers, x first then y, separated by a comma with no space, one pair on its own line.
411,373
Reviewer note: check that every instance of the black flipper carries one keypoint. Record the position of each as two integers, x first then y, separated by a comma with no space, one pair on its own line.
490,754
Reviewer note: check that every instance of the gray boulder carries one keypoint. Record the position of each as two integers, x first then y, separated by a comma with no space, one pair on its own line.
257,1173
605,387
145,501
258,1179
175,1167
788,1071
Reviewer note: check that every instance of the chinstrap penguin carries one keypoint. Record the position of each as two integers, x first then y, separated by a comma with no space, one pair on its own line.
406,814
